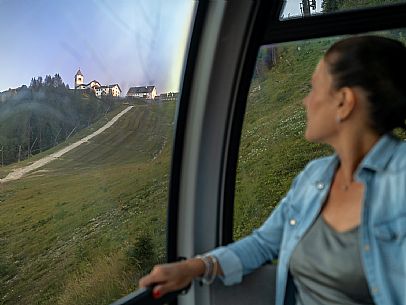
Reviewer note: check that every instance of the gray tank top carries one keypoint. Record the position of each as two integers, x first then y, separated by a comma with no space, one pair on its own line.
326,268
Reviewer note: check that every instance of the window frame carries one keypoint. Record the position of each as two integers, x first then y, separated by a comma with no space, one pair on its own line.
264,27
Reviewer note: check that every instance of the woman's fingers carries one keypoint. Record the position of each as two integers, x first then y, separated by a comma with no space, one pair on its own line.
156,292
145,281
166,287
166,278
157,275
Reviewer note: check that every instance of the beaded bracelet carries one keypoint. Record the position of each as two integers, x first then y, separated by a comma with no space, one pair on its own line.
210,269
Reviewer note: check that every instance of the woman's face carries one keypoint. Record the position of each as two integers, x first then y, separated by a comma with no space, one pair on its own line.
321,107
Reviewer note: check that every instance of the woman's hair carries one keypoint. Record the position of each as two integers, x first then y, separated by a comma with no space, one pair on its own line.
377,65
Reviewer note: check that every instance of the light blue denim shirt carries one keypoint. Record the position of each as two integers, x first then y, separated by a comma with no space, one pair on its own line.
382,232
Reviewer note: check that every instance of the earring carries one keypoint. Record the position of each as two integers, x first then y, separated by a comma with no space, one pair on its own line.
338,119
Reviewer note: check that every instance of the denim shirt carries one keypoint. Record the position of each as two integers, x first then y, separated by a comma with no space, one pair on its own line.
382,232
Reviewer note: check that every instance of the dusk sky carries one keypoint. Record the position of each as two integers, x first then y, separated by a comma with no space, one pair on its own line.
129,42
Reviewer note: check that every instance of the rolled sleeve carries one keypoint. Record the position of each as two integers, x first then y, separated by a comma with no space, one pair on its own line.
230,265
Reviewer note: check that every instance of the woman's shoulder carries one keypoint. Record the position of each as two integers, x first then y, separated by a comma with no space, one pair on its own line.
316,166
318,163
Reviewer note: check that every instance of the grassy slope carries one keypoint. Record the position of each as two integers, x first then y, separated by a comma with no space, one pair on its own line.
67,231
79,135
273,149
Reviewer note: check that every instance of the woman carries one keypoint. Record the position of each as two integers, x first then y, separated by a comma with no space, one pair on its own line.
340,232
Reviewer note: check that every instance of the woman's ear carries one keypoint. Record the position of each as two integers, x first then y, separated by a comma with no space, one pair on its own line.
346,102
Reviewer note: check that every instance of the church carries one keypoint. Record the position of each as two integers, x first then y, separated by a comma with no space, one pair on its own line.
95,87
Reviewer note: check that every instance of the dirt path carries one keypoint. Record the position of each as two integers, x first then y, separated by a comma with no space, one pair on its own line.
20,172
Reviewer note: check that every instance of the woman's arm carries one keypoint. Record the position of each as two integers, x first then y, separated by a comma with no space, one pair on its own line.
232,261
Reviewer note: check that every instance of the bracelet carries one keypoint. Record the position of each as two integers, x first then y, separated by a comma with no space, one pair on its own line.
210,269
214,271
207,265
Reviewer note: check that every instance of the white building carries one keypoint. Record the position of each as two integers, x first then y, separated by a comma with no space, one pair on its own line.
101,91
115,90
95,87
79,79
146,92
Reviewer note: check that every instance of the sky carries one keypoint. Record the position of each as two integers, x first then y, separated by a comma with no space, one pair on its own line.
128,42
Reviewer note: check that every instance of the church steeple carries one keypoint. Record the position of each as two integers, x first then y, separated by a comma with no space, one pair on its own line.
79,79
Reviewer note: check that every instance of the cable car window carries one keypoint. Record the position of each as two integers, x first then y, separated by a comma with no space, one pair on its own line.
88,92
273,149
307,8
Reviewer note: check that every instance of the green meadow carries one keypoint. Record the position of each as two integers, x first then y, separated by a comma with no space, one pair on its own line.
83,228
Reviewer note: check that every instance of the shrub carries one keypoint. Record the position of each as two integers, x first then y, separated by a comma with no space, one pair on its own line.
142,253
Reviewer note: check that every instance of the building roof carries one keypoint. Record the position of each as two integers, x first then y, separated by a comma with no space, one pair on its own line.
88,85
111,86
142,89
79,72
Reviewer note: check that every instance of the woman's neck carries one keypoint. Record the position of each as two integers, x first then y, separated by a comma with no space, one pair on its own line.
351,150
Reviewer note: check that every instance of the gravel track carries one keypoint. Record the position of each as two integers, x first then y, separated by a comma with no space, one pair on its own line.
20,172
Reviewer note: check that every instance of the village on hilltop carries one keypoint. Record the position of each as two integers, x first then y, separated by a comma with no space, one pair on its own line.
148,93
95,87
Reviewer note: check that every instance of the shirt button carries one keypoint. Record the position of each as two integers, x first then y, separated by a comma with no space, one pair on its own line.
366,247
292,222
320,185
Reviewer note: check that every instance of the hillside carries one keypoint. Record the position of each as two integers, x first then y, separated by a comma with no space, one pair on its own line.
70,231
35,119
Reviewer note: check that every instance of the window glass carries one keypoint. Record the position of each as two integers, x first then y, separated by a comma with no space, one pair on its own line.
273,149
306,8
84,159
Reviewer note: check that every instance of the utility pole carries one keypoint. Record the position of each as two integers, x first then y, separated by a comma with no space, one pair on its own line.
56,138
40,139
32,146
70,133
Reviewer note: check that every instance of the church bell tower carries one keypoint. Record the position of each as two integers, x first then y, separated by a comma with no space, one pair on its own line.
79,79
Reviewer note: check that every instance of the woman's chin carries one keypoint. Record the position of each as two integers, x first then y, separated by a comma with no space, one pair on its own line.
307,136
311,138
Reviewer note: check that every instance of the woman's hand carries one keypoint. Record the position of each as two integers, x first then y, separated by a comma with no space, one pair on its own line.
172,277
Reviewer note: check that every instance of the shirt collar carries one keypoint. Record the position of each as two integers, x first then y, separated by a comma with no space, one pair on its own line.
376,159
380,154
